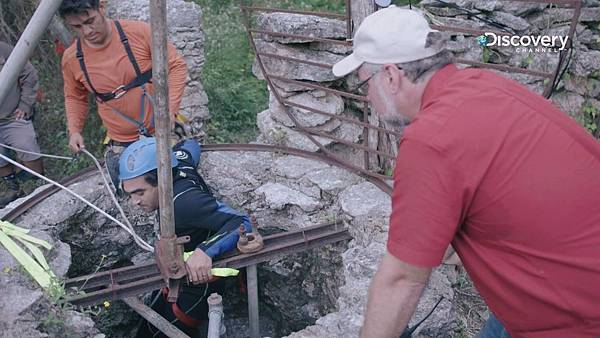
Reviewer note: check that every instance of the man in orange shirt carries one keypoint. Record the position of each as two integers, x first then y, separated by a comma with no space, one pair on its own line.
113,61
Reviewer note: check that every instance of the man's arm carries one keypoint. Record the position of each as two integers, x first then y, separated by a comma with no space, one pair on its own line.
393,296
76,105
28,79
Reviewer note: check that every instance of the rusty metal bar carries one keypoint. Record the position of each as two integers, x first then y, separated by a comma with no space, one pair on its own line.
296,242
560,2
289,58
366,135
299,36
563,53
157,320
385,187
292,11
147,270
345,142
504,68
320,87
349,28
343,118
470,31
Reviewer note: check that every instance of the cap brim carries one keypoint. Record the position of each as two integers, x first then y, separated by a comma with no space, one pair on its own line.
346,66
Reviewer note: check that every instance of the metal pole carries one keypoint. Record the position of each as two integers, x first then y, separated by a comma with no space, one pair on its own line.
158,20
252,284
157,320
27,42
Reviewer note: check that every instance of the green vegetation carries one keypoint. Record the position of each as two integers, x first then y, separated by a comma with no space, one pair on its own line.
235,95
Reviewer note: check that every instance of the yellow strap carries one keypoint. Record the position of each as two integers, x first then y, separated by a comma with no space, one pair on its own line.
31,266
28,238
219,272
6,225
224,272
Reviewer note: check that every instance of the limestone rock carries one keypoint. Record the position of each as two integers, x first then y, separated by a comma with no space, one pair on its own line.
363,199
294,167
278,196
514,22
327,102
281,135
586,63
331,178
306,25
568,102
295,70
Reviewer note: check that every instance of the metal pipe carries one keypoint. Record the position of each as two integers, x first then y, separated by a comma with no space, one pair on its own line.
26,44
158,20
292,11
253,316
157,320
216,325
299,36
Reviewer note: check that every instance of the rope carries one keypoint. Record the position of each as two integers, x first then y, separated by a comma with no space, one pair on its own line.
138,240
146,246
34,153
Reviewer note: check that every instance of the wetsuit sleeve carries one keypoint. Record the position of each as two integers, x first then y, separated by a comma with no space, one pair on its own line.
76,98
197,209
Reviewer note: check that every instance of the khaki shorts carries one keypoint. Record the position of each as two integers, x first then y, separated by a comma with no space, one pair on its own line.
19,134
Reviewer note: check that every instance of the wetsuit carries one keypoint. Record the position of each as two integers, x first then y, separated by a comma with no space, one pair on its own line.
212,227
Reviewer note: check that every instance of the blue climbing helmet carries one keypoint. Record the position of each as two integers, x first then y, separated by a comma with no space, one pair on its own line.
140,158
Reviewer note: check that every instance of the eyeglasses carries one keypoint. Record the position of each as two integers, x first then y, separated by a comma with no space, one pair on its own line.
363,83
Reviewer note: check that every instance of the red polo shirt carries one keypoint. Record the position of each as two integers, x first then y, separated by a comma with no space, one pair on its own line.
514,184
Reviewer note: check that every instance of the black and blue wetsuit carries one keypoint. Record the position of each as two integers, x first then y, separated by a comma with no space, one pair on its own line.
212,227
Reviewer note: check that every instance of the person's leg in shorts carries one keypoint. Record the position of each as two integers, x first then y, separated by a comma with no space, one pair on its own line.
21,135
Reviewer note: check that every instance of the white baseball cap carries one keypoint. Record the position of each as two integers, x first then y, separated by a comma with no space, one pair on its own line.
390,35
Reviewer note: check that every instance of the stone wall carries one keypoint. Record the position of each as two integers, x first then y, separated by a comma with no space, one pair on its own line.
577,95
184,20
579,92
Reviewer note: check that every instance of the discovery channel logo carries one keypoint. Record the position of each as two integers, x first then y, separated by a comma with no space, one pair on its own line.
525,43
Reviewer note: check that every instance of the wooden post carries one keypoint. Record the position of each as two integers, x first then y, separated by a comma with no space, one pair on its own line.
157,320
385,142
162,118
360,10
26,44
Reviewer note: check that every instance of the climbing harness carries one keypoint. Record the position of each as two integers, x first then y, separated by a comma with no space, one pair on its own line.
140,80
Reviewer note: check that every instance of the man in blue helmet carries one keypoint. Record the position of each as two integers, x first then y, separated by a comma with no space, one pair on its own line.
211,225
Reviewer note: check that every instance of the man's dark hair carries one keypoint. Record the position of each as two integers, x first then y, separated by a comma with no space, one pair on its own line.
76,7
151,177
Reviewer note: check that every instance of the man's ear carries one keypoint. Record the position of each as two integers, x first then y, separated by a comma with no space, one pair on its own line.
102,7
394,78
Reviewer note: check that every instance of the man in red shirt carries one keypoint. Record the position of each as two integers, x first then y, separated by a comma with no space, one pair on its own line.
491,168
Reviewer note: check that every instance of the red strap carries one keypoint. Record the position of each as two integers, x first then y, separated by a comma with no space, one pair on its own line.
184,317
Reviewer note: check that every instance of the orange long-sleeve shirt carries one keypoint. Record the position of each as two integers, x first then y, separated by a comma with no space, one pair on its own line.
108,68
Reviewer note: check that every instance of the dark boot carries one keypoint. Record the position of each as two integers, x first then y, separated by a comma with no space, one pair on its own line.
12,191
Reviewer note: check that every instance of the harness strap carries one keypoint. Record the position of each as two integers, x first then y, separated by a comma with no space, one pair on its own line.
183,317
140,79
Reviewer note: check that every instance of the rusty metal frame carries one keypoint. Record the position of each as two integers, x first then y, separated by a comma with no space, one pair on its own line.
310,133
132,280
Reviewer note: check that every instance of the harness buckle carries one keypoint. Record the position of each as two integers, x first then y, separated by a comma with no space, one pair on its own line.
119,91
